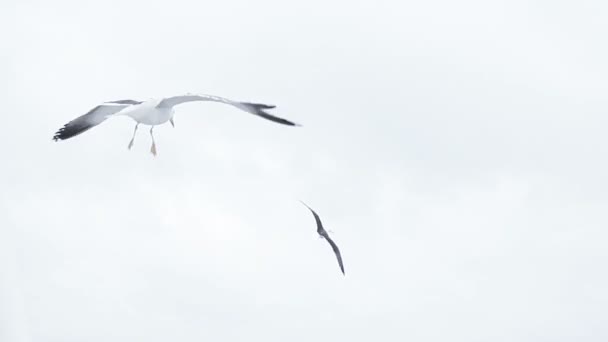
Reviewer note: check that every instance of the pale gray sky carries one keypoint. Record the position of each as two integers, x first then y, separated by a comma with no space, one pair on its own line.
456,149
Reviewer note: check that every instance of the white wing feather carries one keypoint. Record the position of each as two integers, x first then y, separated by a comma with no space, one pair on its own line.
253,108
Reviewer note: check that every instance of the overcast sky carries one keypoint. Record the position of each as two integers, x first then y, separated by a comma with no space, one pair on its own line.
456,149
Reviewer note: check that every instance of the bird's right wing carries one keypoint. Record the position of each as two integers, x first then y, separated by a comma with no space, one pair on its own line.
336,251
258,109
91,119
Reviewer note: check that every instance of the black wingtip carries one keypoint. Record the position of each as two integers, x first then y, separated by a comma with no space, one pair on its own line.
64,133
71,129
258,109
306,205
59,135
258,106
263,106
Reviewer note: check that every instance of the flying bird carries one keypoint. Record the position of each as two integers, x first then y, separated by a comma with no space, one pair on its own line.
323,234
154,112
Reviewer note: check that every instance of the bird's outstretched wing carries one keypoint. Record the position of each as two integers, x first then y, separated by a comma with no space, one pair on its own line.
91,119
320,228
321,231
253,108
336,251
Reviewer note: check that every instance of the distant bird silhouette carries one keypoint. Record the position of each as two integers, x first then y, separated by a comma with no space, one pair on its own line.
323,233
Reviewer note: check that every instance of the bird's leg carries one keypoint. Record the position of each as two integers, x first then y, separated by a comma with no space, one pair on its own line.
172,123
153,148
133,138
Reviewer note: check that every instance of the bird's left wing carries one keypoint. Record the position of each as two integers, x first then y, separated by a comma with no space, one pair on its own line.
253,108
336,251
317,218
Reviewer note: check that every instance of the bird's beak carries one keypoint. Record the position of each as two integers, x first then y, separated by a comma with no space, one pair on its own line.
172,123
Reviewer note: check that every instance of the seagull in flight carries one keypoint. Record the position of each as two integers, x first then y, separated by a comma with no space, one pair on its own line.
154,112
323,234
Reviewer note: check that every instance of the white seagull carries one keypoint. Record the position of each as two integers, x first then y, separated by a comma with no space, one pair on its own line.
153,112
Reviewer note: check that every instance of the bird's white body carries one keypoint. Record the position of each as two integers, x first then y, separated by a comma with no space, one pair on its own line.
149,113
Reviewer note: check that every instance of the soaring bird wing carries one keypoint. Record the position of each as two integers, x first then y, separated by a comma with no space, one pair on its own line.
253,108
91,119
336,251
324,234
320,228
